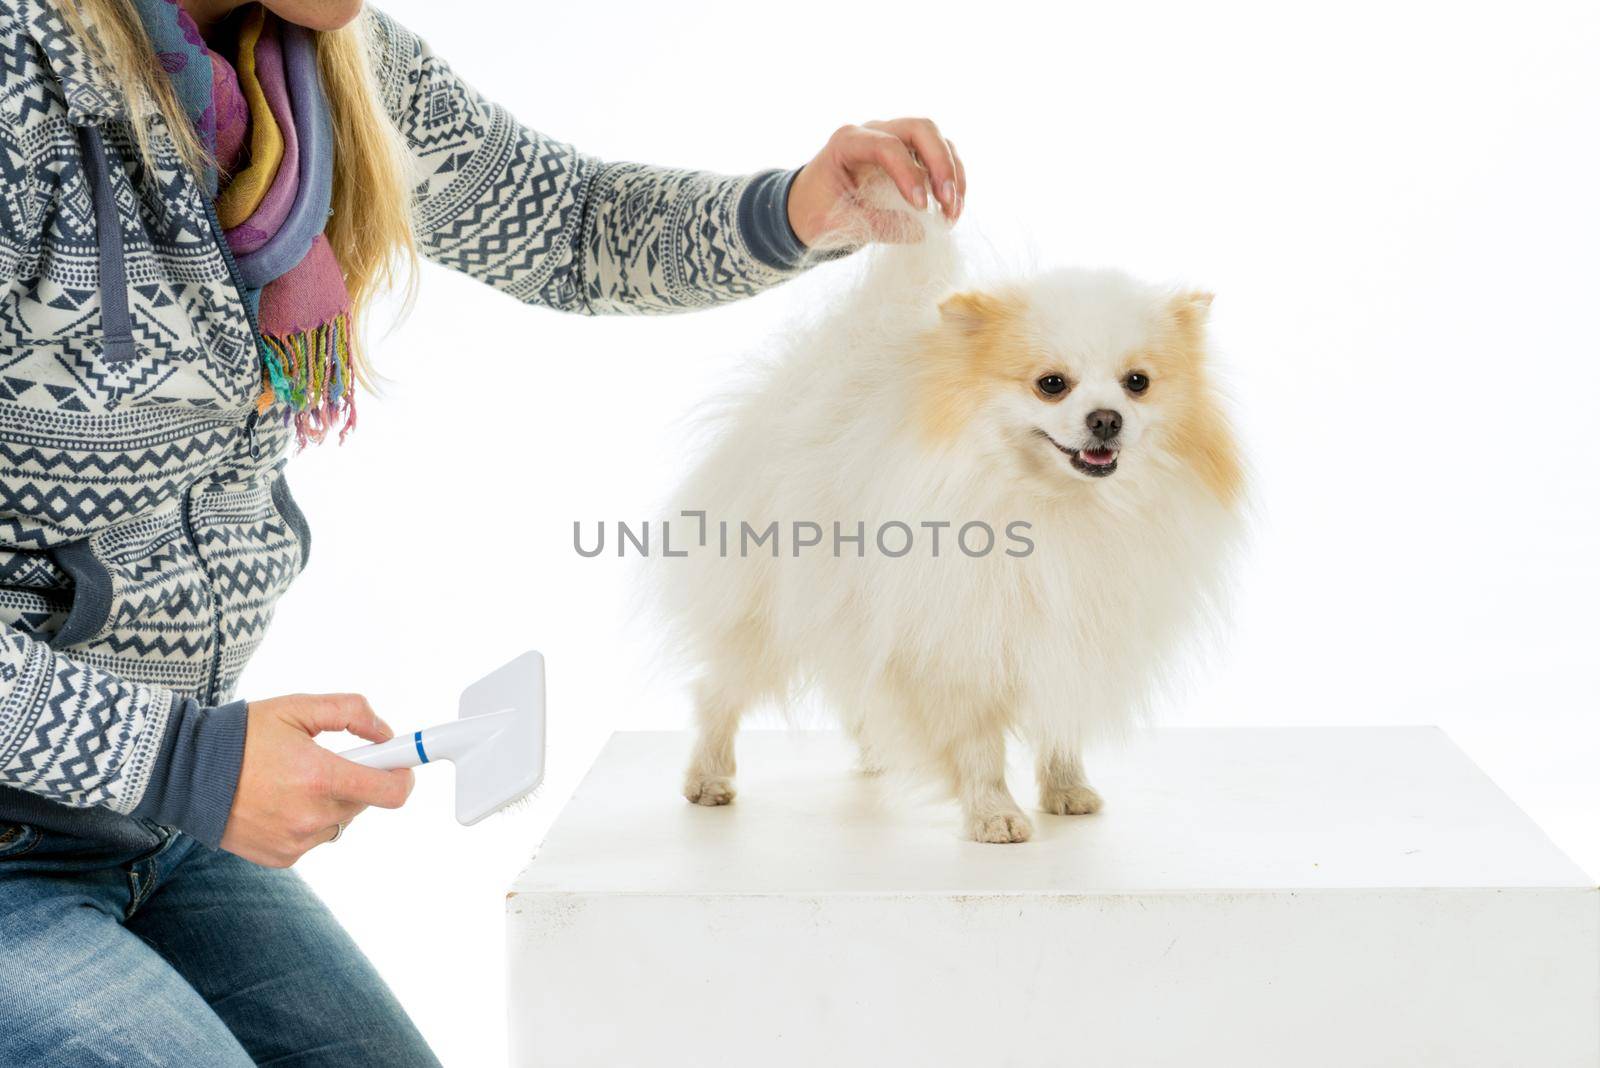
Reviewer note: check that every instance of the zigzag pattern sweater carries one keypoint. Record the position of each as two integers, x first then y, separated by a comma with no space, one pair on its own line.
146,529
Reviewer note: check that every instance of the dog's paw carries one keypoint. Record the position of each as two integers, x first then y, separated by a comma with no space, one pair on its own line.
709,790
1069,800
1000,827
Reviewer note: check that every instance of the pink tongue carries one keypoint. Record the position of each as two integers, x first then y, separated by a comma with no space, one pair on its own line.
1097,457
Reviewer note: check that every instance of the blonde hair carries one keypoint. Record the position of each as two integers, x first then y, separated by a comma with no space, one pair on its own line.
370,225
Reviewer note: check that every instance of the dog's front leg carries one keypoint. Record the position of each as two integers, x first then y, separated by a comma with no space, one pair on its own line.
1063,788
709,779
978,767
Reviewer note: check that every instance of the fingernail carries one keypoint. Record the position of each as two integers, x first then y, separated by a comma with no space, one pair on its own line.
921,197
950,195
385,730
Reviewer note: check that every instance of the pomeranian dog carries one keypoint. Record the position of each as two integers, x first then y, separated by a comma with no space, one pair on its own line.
961,513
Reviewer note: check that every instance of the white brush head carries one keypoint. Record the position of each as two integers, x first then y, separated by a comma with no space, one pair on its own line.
508,764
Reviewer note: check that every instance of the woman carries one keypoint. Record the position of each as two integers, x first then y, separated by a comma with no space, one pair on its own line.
197,204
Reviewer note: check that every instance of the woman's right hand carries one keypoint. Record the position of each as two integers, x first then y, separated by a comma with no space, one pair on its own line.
293,794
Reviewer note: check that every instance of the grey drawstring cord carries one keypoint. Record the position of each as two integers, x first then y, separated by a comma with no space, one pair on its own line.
115,323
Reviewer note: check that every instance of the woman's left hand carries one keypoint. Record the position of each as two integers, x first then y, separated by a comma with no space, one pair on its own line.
912,152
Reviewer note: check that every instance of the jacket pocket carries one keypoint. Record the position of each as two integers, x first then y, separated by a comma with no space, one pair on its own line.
140,603
92,593
253,543
283,501
35,594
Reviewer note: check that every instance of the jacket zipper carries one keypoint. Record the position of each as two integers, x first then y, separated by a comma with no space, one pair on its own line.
249,313
209,692
214,675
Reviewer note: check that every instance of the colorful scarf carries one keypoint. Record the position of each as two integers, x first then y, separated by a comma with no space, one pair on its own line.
264,120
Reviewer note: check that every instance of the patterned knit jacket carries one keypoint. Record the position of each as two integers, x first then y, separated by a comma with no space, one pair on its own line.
146,530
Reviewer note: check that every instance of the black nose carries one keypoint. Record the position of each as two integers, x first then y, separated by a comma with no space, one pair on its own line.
1104,423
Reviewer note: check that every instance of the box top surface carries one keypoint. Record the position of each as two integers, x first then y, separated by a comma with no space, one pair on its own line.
1186,809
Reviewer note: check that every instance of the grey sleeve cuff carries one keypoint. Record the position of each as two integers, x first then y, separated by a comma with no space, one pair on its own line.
197,770
764,221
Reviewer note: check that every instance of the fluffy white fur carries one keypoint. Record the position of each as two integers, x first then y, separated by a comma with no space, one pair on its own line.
908,404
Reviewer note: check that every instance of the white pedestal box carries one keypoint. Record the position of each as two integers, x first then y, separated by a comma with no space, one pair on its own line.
1283,898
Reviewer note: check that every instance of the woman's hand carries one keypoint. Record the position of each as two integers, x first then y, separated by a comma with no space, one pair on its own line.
912,152
293,794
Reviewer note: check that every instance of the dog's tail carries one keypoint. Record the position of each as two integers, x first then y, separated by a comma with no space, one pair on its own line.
912,264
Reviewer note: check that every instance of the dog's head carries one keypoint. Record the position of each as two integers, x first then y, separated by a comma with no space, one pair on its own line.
1082,377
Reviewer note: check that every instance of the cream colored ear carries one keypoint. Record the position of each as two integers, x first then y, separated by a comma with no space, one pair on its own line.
1192,307
970,311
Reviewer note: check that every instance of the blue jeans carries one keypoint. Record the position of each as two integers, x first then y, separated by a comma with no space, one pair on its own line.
172,953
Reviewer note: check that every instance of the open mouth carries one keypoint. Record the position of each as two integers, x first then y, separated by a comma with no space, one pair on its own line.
1096,463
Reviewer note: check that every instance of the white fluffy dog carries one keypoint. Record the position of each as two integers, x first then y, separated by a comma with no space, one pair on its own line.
961,514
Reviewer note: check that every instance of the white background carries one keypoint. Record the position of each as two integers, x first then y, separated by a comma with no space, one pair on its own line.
1396,205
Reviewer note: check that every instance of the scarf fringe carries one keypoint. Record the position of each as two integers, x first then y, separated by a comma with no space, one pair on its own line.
311,373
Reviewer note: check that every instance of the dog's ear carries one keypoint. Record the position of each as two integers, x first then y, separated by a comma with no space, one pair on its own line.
971,311
1191,308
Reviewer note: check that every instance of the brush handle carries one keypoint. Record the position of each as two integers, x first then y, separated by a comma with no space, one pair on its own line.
447,741
404,751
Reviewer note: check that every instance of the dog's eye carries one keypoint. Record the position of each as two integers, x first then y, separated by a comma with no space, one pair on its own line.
1052,385
1137,382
